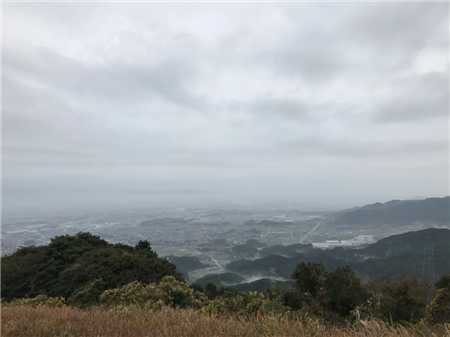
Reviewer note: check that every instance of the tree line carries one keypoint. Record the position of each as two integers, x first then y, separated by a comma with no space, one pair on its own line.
86,271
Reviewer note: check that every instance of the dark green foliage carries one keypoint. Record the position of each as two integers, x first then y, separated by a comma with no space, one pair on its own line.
443,282
338,292
439,308
144,245
70,263
21,272
116,267
402,301
410,242
258,266
197,287
344,291
211,291
392,256
294,298
310,278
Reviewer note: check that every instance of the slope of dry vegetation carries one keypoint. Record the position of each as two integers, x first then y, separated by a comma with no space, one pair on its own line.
44,321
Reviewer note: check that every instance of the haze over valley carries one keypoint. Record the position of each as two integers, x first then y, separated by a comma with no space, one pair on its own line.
261,168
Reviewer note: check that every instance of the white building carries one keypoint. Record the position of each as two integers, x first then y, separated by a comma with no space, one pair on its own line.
359,240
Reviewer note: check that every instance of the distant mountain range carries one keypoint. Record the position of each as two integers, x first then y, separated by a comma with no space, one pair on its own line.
392,256
397,212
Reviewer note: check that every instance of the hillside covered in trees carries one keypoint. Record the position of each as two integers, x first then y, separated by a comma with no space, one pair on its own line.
398,212
70,263
392,256
84,271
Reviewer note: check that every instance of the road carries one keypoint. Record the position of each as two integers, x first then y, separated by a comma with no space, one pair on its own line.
218,265
304,237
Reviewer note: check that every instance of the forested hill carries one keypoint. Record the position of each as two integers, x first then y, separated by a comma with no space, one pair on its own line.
69,264
410,243
397,212
393,256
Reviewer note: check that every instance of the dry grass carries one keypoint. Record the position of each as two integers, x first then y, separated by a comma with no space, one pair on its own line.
64,322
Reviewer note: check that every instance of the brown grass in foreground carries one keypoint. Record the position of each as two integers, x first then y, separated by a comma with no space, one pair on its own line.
68,322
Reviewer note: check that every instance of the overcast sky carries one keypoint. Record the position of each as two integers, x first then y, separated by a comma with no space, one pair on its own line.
263,98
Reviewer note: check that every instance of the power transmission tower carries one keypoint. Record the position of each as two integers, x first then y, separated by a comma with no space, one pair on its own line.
428,271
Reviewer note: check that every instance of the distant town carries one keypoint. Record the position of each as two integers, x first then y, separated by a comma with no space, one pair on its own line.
216,236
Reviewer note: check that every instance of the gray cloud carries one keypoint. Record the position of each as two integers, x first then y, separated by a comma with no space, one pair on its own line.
365,149
227,96
424,97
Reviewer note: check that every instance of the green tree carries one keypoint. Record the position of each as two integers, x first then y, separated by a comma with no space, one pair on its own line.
211,291
344,291
439,309
310,278
402,301
70,263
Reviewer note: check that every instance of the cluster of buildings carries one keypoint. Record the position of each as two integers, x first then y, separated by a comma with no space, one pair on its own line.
356,241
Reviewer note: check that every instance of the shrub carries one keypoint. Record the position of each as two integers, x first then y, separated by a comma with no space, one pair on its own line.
169,292
40,300
250,304
89,295
402,301
344,292
438,311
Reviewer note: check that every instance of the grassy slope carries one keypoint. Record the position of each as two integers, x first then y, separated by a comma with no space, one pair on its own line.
68,322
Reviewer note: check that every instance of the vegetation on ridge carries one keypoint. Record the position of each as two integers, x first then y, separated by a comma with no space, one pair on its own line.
101,272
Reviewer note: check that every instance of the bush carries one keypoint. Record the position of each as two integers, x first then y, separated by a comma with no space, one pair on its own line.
402,301
169,291
438,311
310,278
344,292
242,304
38,301
89,295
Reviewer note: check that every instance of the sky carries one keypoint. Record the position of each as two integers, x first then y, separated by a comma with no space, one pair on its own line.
256,99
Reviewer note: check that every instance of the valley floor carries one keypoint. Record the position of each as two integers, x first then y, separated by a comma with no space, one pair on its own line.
68,322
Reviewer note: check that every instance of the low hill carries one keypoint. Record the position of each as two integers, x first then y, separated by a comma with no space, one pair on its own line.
265,223
256,243
220,280
410,242
393,256
70,263
245,250
397,212
186,263
283,266
287,250
262,285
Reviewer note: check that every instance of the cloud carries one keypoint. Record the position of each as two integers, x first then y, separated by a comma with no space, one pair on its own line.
423,97
255,94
